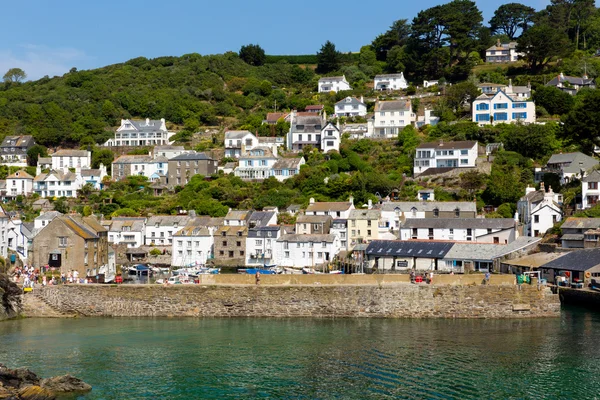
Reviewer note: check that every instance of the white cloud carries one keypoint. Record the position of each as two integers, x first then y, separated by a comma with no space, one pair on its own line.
37,60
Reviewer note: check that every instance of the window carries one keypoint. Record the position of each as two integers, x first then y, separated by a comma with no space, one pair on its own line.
592,185
482,106
238,244
464,152
319,255
430,233
330,143
221,253
522,115
369,223
501,117
519,105
224,243
287,254
536,219
500,106
230,253
259,242
315,227
368,232
464,161
436,212
62,242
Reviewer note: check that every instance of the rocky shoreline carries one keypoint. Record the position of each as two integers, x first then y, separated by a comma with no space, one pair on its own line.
23,384
10,298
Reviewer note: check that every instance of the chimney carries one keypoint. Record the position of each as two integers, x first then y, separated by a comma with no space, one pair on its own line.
529,189
362,99
498,43
370,204
510,83
147,121
542,188
192,213
516,216
351,199
562,76
312,200
529,85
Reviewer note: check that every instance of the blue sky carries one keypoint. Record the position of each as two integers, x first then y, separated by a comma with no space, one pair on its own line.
46,37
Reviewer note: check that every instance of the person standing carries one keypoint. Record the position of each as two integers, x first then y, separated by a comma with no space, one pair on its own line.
257,277
431,278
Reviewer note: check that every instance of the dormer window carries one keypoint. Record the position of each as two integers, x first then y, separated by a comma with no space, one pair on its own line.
457,213
413,211
318,127
436,212
300,127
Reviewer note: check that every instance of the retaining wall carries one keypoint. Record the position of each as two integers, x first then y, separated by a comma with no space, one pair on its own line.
390,301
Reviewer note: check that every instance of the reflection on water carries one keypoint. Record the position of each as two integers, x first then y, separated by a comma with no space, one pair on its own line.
314,358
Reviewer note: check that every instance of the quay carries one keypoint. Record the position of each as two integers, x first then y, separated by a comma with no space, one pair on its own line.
330,296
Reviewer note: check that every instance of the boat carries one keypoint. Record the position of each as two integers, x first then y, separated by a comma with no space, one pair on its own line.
310,271
139,269
274,270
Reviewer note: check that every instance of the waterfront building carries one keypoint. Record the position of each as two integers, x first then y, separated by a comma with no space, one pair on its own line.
396,256
192,245
71,243
485,230
578,267
539,210
128,231
363,227
136,133
260,244
518,92
313,224
339,228
394,212
311,250
161,228
579,233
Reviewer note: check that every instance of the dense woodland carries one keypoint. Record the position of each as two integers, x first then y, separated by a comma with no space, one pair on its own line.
236,90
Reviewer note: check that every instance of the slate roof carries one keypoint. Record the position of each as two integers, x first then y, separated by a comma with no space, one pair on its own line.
329,206
167,220
574,159
459,223
332,79
236,134
593,176
48,216
193,230
464,144
383,76
90,172
70,153
315,238
573,80
407,248
168,147
353,101
190,157
117,224
263,231
580,260
488,251
237,215
260,218
572,236
581,223
287,163
394,105
429,206
364,214
503,46
533,260
61,176
313,219
309,122
44,160
146,125
81,229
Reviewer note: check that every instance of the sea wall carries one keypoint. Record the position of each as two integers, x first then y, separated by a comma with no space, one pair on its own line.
580,297
386,301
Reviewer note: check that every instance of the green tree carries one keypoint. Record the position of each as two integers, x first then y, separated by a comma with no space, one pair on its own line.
397,35
554,100
253,54
542,44
463,93
104,157
582,123
34,153
14,75
328,59
511,18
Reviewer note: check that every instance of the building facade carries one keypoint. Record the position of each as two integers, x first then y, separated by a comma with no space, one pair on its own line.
141,133
391,117
184,166
390,82
333,84
441,154
502,108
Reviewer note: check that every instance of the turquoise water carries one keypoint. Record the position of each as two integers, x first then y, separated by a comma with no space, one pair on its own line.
315,358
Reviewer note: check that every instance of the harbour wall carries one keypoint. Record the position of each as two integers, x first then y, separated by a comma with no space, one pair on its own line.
382,301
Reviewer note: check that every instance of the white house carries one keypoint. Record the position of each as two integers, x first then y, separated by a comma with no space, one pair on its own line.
256,164
567,166
306,250
330,138
237,142
391,117
428,84
192,245
445,155
590,192
502,108
350,107
572,84
484,230
125,230
161,228
141,133
394,213
285,168
502,53
539,210
518,92
260,245
139,165
42,220
428,118
169,151
4,226
390,82
19,183
64,159
335,209
94,176
333,84
57,183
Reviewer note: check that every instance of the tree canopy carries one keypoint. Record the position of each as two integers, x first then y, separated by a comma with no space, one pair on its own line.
328,59
253,54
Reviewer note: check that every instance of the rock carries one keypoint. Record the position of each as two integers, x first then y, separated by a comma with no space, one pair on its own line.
35,393
17,378
65,384
10,298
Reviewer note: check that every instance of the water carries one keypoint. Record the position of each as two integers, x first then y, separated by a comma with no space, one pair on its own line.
315,358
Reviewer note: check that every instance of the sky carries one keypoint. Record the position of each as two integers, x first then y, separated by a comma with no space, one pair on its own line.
50,37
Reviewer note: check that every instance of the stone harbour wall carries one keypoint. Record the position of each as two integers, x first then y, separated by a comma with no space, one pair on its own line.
384,301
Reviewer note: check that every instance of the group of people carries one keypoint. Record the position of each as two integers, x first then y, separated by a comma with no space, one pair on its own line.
30,276
426,277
